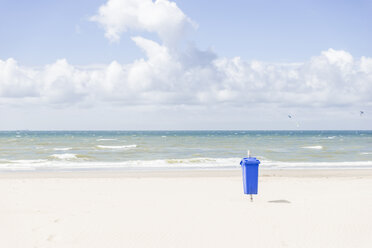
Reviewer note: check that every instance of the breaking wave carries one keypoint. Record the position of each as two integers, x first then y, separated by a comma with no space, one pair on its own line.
64,156
62,148
313,147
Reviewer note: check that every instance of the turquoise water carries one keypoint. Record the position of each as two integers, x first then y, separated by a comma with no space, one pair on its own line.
107,150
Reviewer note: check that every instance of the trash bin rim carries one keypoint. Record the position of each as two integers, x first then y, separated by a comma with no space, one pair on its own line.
250,161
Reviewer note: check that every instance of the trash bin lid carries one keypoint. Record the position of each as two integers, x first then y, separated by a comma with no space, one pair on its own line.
250,161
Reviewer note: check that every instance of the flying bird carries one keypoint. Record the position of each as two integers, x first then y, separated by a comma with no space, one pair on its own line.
361,113
297,124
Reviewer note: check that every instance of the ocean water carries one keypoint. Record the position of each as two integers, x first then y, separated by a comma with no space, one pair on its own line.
179,150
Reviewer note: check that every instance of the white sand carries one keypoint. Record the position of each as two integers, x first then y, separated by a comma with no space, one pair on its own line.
185,209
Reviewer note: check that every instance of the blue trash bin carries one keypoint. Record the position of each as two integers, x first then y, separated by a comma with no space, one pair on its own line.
250,174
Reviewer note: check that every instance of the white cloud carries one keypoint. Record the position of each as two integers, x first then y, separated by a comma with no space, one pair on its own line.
162,17
171,76
16,82
334,78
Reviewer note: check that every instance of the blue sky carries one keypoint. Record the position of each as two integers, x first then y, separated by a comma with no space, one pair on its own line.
141,64
40,32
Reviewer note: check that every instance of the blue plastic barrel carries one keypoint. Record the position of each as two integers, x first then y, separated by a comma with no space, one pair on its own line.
250,174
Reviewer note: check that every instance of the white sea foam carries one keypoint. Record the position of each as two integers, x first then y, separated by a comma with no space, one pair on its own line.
105,139
62,148
69,162
201,162
316,165
64,156
117,147
366,153
65,162
313,147
23,161
20,164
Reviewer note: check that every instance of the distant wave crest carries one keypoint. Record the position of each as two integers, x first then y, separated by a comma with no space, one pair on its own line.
117,147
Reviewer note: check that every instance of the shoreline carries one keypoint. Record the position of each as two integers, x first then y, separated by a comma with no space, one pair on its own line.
317,173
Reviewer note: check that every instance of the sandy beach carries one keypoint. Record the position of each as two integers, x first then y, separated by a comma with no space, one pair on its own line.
294,208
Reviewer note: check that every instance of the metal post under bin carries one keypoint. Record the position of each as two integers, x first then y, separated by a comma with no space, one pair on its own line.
250,175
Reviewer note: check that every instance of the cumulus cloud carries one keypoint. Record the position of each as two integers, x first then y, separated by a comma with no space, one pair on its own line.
333,78
173,76
162,17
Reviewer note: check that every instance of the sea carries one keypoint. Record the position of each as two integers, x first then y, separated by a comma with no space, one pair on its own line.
182,150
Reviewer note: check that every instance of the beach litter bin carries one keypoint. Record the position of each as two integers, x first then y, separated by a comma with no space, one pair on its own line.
250,175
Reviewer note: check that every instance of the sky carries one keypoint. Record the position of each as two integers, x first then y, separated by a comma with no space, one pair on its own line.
142,64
